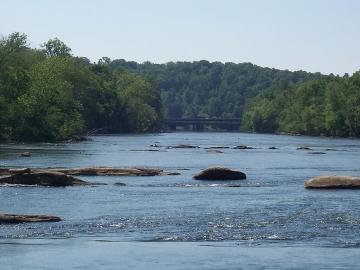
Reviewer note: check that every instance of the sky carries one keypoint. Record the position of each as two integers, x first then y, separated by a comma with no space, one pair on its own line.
311,35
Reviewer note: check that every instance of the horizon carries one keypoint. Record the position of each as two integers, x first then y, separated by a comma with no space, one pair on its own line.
302,36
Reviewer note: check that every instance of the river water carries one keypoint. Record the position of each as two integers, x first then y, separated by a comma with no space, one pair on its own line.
268,221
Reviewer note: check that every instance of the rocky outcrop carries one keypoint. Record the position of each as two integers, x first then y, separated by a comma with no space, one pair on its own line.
109,171
220,173
41,178
333,182
13,219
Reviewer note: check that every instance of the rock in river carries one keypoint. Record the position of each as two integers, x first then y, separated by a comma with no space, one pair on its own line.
25,154
303,148
214,151
183,146
333,182
13,219
220,173
42,178
109,171
243,147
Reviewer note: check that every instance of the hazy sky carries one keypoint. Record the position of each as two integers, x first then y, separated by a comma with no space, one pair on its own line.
312,35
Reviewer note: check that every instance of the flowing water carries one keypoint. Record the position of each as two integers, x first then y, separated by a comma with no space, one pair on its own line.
268,221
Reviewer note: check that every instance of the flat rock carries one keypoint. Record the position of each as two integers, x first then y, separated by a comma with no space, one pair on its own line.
214,151
109,171
220,173
333,182
19,170
183,146
317,153
14,219
173,173
119,184
42,178
217,147
25,154
303,148
243,147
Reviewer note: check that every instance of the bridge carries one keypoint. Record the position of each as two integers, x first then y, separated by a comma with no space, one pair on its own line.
200,124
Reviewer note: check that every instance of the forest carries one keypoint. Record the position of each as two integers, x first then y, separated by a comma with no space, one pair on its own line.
211,90
47,94
324,107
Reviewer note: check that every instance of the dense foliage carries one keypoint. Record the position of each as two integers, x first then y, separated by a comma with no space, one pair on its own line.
48,95
329,106
215,90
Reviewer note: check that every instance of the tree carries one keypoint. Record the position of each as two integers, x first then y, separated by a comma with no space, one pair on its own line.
55,47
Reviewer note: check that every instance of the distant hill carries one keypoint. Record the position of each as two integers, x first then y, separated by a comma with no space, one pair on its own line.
214,90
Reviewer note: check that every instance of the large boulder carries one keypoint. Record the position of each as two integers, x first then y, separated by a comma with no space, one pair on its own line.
13,219
333,182
220,173
42,178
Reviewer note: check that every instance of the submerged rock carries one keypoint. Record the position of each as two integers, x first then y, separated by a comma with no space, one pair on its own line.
25,154
19,171
303,148
119,184
183,146
41,178
317,153
333,182
217,147
14,219
243,147
145,150
173,173
154,145
214,151
220,173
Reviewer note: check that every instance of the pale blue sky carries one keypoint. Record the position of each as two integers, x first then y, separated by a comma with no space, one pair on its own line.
312,35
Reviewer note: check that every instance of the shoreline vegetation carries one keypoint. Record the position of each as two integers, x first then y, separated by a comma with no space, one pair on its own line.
49,95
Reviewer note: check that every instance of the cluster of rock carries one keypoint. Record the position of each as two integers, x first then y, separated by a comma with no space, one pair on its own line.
59,177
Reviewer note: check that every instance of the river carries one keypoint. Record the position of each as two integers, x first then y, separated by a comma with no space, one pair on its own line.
268,221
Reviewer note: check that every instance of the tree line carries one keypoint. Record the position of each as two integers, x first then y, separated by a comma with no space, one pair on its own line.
211,90
46,94
329,106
